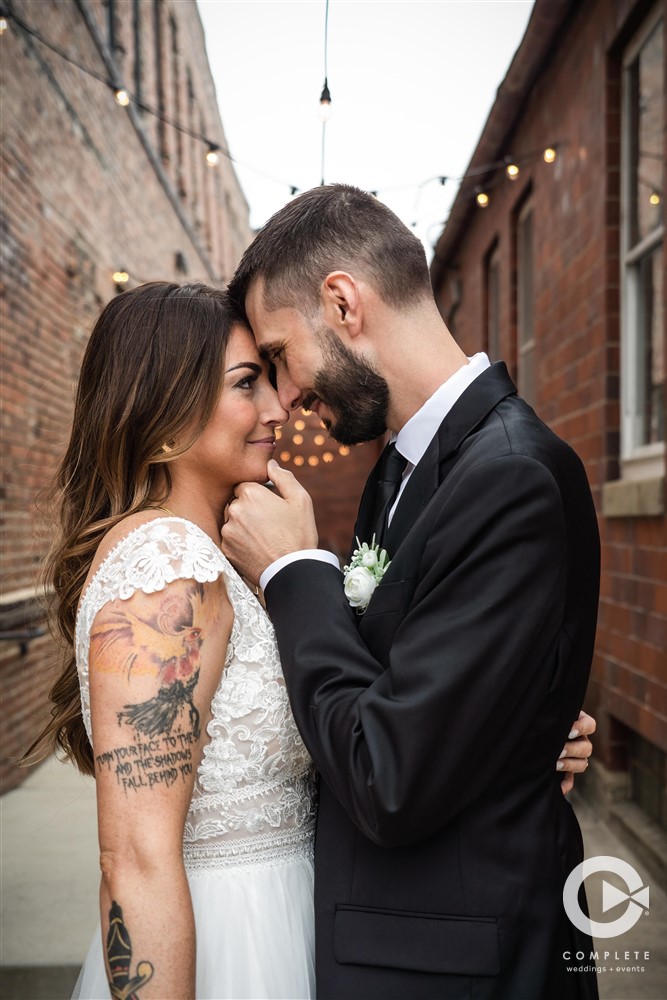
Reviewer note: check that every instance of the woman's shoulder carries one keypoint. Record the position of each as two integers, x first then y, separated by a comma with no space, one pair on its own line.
149,549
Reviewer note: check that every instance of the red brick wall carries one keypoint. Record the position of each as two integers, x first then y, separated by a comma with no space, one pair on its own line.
576,212
81,198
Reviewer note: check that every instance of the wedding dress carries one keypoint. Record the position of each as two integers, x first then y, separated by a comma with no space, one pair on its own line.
248,838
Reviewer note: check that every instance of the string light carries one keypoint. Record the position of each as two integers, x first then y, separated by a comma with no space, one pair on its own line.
343,450
511,168
327,457
124,98
319,439
213,155
120,277
654,198
285,456
299,425
313,460
325,104
299,459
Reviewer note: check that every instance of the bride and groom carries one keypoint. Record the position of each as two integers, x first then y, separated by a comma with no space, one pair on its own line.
433,713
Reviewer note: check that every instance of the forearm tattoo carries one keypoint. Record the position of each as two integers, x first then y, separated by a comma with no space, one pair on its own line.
122,984
166,726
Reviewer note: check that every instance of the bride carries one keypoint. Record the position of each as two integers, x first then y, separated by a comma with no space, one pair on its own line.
172,695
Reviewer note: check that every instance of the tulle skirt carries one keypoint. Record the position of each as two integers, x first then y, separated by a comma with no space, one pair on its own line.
255,936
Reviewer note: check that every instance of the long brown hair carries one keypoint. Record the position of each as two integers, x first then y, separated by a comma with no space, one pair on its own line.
151,376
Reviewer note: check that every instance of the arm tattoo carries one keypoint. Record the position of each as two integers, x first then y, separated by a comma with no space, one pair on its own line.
119,956
166,646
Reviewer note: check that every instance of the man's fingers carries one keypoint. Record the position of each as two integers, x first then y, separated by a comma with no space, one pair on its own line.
284,481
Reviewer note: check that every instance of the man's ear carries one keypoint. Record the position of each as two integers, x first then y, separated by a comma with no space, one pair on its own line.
342,303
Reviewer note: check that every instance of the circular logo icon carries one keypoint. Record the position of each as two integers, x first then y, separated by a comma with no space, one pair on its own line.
636,897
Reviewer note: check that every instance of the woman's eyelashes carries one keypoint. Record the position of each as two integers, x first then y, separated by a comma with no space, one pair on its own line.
247,381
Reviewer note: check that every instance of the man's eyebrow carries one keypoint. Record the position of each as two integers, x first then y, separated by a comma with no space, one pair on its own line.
268,349
245,364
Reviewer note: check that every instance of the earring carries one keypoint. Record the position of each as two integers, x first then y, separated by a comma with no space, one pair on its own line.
166,448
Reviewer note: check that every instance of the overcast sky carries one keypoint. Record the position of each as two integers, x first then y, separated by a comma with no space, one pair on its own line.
411,81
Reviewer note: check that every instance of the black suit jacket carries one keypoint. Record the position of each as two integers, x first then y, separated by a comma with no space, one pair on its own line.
436,717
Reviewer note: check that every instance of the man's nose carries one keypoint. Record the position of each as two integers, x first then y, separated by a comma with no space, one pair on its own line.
289,394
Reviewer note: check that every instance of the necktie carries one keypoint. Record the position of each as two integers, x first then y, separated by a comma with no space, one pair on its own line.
391,474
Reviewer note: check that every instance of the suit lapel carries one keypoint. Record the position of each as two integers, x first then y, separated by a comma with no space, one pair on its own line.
470,409
364,524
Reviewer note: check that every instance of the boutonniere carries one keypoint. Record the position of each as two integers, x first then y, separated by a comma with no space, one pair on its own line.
368,565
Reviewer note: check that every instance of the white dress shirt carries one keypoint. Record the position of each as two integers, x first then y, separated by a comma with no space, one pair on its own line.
412,441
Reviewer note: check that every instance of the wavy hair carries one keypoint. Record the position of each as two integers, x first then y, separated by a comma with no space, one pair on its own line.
151,376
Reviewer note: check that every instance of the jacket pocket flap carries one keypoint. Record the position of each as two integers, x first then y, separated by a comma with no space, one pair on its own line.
423,942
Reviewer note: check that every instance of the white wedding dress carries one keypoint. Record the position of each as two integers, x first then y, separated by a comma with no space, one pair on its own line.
249,832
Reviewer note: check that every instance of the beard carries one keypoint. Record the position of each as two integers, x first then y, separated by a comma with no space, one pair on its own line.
354,391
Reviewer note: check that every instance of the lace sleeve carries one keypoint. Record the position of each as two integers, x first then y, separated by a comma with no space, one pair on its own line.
148,559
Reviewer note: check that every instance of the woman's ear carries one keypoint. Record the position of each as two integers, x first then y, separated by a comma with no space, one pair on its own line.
341,302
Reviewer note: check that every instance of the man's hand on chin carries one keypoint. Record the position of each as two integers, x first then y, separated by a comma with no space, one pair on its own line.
262,526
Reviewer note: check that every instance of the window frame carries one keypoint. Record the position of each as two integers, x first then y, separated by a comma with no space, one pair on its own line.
637,461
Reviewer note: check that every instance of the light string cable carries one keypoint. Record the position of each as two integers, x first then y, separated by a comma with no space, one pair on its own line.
213,149
124,97
325,97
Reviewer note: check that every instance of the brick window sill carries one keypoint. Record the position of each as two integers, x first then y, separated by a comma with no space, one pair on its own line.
634,498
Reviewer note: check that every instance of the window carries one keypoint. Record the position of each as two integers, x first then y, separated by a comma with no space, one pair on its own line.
525,290
642,236
493,304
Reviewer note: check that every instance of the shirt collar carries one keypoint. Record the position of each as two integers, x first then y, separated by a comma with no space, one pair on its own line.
415,436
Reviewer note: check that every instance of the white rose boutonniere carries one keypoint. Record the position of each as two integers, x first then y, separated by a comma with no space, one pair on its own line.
368,565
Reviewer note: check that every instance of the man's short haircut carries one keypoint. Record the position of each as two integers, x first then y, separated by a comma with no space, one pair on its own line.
332,228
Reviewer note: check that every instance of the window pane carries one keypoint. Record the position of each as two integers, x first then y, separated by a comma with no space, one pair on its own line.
650,349
646,95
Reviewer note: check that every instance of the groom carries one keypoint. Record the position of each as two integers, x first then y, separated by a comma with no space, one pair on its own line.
434,717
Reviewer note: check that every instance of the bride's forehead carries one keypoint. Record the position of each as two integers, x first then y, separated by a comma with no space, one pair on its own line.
241,342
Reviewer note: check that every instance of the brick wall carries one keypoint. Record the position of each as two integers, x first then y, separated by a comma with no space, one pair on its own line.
90,188
86,192
575,100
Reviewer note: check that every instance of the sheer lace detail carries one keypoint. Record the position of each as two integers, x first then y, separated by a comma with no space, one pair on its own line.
254,796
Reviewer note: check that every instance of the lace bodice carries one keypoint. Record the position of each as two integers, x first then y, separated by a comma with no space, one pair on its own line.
254,795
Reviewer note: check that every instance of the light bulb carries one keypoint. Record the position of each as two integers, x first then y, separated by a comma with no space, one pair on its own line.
120,277
512,171
327,457
325,103
213,156
654,198
3,25
482,199
549,154
122,97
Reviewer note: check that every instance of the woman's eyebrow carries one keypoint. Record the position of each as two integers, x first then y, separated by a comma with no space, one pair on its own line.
246,364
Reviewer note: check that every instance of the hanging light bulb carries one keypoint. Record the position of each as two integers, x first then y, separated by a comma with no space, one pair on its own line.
482,199
213,155
549,154
654,198
511,168
4,24
120,279
122,96
325,103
